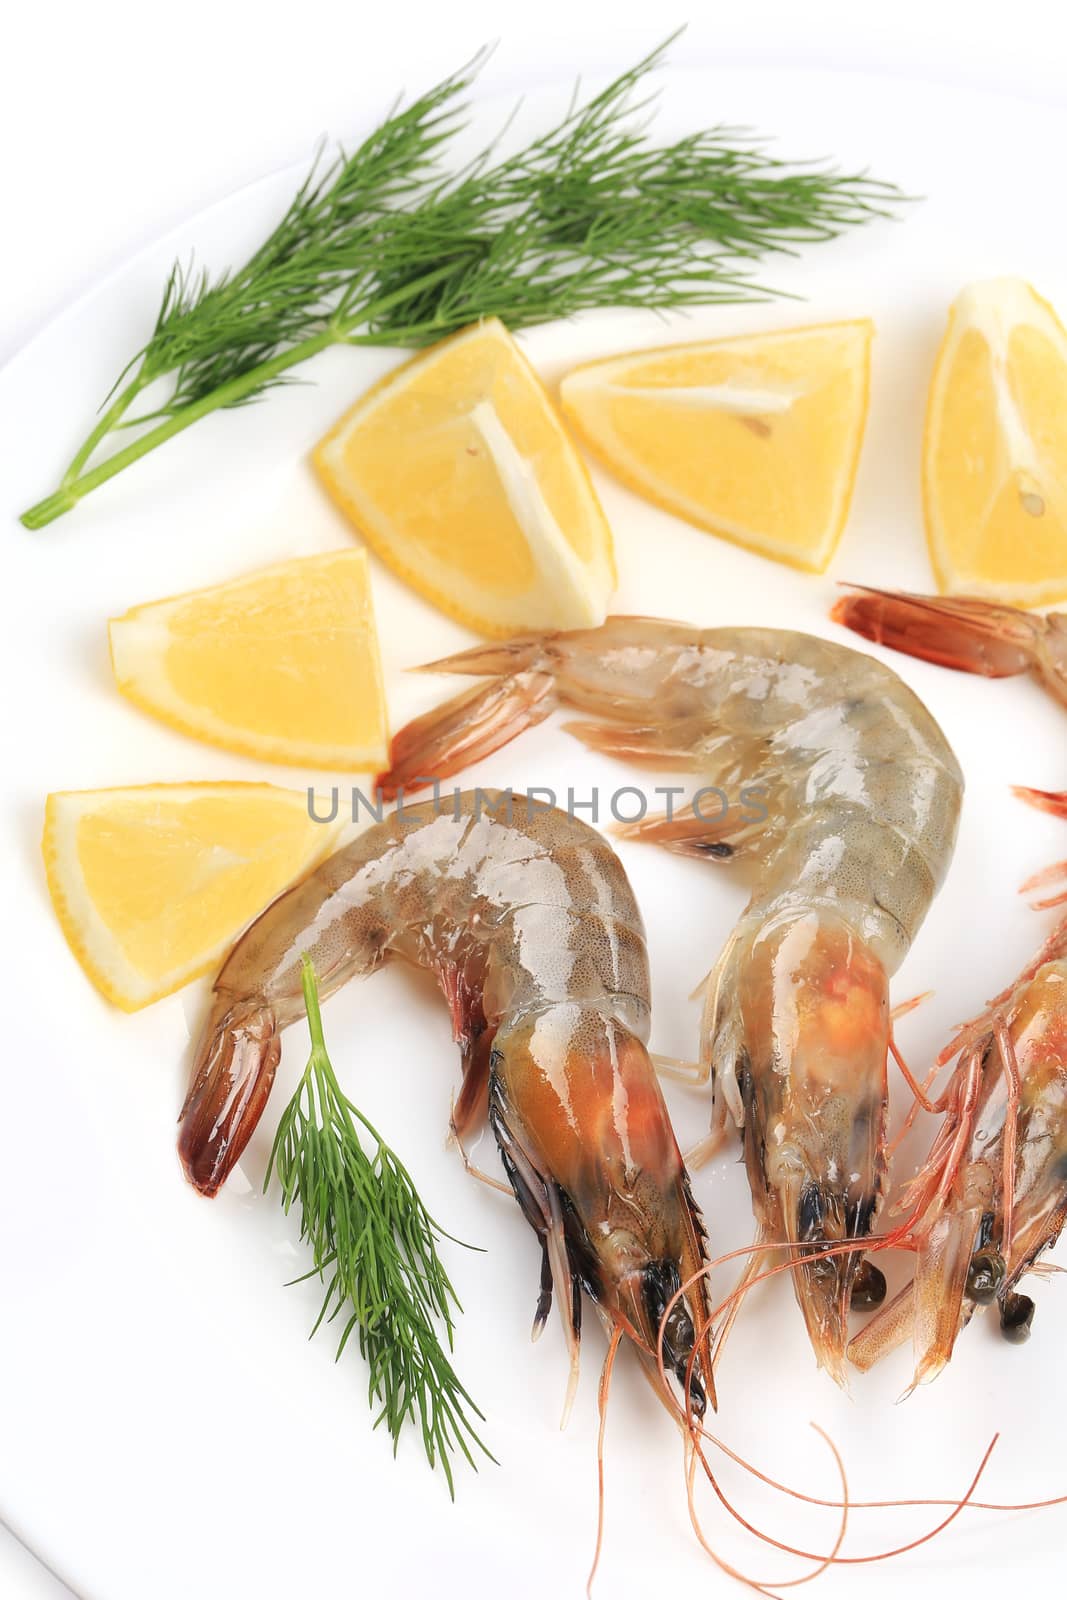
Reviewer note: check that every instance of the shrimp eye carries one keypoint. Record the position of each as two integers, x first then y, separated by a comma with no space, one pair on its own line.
868,1287
985,1276
1016,1315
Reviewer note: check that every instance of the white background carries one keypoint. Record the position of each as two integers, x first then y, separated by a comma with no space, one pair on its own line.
118,119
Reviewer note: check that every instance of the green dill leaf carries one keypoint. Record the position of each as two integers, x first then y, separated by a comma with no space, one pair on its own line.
374,1247
384,245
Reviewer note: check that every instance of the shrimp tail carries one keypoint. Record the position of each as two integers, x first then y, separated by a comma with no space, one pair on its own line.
466,728
232,1078
966,634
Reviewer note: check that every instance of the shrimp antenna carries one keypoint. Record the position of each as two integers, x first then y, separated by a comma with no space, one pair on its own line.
833,1557
695,1452
696,1432
602,1402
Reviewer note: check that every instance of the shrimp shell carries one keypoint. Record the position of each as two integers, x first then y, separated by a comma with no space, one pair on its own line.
847,804
528,921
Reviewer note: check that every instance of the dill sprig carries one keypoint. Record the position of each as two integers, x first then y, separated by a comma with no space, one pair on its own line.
374,1245
385,246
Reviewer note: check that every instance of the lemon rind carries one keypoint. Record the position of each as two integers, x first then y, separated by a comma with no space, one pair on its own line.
995,308
568,591
603,443
87,934
138,642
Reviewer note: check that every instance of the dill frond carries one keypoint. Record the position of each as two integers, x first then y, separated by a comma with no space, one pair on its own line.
385,246
374,1245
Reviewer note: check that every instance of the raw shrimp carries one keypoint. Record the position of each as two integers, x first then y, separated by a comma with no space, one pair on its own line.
979,636
851,838
526,918
992,1196
993,640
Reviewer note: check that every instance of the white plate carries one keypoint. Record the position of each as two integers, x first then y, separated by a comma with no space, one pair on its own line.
166,1427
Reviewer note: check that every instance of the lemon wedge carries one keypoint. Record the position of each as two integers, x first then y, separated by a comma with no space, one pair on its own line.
458,472
151,885
995,448
282,664
755,438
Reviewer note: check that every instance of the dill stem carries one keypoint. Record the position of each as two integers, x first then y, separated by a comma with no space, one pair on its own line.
314,1011
73,490
76,484
589,214
108,420
320,1071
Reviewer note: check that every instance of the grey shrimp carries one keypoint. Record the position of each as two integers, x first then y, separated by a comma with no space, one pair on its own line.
861,795
528,921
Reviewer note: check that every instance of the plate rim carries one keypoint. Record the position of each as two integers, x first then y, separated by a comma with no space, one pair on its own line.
538,83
